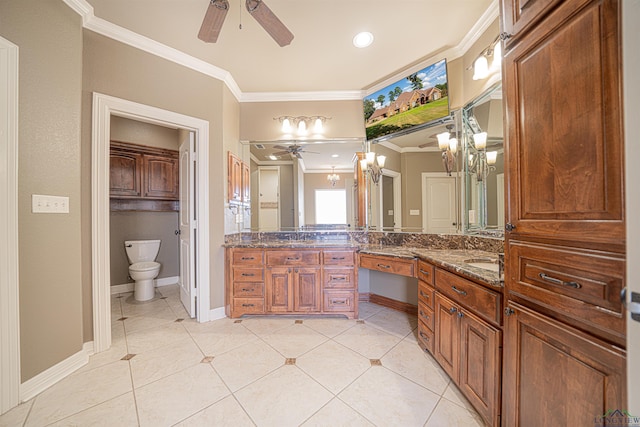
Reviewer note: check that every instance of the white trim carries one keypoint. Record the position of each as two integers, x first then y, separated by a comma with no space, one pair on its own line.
103,107
129,287
269,162
9,289
88,348
390,145
424,175
36,385
118,33
217,314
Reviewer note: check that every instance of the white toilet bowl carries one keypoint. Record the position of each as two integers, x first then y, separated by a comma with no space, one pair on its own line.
143,268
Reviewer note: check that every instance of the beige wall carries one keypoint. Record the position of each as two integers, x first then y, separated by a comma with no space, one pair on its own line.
49,38
474,88
257,124
318,181
122,71
136,132
143,226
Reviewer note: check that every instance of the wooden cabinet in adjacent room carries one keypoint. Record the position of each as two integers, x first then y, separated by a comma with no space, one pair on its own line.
142,172
238,180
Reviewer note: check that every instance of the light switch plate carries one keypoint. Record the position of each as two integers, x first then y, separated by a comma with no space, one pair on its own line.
49,204
414,212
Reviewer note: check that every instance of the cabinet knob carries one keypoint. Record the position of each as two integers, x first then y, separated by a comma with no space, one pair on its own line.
509,227
453,310
508,311
505,36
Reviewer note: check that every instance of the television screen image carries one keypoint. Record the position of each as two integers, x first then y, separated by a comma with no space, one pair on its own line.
405,105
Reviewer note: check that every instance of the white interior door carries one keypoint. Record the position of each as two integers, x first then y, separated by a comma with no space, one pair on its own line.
187,226
269,199
439,214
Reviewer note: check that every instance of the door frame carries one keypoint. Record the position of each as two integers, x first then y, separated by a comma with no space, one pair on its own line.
456,178
103,107
397,199
9,259
268,168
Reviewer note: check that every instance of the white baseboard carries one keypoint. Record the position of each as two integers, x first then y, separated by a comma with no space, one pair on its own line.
129,287
217,313
36,385
88,348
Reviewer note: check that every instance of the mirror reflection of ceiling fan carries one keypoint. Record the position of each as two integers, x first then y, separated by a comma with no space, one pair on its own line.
434,137
217,11
295,150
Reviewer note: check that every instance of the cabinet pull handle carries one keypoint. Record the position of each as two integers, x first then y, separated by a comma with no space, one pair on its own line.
555,281
247,258
248,274
337,258
384,266
424,315
247,290
426,273
248,305
453,310
338,278
422,294
461,292
290,258
339,302
424,337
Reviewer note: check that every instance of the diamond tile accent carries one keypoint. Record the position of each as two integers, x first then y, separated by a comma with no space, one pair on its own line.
360,322
122,319
207,359
375,362
290,361
128,356
238,321
163,297
179,320
298,322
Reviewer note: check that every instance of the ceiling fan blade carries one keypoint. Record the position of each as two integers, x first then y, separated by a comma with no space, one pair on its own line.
297,154
213,20
281,153
280,147
270,22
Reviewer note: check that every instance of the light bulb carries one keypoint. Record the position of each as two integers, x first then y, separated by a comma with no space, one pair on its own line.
480,68
286,126
497,57
381,160
443,140
470,160
453,145
480,140
492,156
302,127
317,127
370,156
363,164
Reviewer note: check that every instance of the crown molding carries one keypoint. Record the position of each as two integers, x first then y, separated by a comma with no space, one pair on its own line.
123,35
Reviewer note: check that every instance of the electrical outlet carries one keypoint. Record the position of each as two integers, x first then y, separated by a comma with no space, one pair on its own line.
238,218
49,204
414,212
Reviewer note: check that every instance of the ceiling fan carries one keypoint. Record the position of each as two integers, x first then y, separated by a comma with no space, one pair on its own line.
294,150
217,11
435,137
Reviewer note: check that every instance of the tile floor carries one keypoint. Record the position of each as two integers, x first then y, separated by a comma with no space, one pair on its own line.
164,369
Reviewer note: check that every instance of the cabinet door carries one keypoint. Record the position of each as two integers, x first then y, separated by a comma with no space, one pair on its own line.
447,336
563,117
520,15
125,174
306,289
555,375
234,178
161,177
480,365
246,183
279,289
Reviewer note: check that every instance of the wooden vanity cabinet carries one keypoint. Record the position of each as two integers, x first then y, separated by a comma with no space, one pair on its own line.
287,281
388,264
469,349
426,300
141,172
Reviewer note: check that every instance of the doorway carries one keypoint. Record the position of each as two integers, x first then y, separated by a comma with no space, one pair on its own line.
269,198
103,107
439,203
390,200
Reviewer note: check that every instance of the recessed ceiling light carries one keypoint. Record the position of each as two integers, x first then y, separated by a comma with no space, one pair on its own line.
363,39
272,157
335,155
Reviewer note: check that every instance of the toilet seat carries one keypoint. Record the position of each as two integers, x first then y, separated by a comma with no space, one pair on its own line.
144,266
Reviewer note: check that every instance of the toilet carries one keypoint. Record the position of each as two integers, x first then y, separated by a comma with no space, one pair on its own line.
143,269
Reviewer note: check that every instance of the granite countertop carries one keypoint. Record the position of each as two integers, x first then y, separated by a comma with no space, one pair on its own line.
449,259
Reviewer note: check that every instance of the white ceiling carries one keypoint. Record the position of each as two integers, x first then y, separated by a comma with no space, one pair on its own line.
321,57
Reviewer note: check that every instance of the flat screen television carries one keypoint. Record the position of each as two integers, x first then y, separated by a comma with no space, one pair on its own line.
408,104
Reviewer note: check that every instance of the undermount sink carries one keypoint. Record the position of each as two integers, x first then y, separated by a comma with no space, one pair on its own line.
485,263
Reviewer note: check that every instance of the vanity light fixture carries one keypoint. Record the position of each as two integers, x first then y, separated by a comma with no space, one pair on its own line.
373,166
482,163
333,177
449,148
480,66
302,124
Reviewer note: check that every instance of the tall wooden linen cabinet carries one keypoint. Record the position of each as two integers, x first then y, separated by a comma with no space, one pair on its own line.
564,329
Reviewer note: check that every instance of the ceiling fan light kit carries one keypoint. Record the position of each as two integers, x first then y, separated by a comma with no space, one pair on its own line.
217,12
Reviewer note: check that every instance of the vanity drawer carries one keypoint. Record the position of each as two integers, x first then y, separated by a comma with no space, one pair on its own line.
425,337
425,315
247,289
339,301
580,287
246,257
482,301
426,294
248,274
343,278
387,264
248,306
293,257
426,272
338,257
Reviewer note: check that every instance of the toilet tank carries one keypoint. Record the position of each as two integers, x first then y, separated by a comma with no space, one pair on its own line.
141,250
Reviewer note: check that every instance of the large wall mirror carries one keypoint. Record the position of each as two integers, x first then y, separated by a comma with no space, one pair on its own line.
483,139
